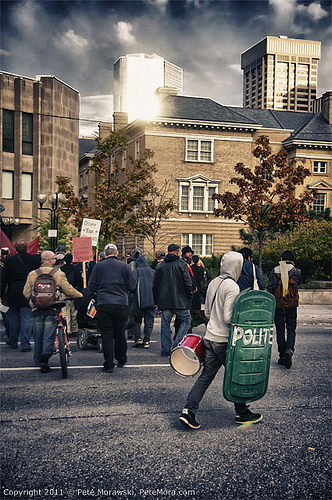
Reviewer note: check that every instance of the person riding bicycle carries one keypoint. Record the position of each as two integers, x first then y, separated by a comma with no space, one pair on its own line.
44,320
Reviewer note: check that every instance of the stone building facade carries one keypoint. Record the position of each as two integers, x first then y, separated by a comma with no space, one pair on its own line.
39,130
197,142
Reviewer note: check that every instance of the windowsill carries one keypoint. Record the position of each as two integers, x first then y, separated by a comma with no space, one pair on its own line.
192,212
209,162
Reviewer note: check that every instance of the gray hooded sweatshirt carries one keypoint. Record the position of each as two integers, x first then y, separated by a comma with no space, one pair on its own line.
225,289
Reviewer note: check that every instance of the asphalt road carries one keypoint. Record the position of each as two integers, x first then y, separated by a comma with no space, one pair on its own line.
98,435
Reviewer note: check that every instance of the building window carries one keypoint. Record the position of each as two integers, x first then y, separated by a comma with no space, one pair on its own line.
320,167
196,195
198,150
198,198
319,203
202,244
27,133
136,150
8,185
184,198
8,131
27,187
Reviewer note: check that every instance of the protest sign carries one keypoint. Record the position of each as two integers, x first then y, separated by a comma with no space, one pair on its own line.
82,249
91,228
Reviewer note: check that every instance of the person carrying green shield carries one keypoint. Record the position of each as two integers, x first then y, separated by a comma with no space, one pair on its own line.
220,297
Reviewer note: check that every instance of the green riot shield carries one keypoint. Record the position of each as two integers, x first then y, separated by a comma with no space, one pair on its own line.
249,347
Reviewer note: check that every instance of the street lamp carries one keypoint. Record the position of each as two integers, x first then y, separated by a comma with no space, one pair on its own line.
54,199
7,223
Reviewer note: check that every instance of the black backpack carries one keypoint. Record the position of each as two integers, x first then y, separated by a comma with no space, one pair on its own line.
45,289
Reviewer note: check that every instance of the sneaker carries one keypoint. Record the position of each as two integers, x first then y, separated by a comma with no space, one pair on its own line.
248,418
138,343
45,368
281,360
187,418
107,370
288,358
120,365
146,344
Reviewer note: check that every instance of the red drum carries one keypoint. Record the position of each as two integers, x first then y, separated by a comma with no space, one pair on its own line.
188,355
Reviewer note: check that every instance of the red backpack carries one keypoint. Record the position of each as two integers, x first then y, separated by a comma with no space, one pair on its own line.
291,300
45,289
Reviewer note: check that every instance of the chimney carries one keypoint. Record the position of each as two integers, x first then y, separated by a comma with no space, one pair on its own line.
104,130
327,106
120,120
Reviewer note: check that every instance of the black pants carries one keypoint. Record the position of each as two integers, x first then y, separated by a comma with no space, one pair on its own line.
112,320
285,319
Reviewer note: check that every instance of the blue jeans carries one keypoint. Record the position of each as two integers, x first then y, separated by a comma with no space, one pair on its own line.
148,315
215,357
44,328
19,321
183,315
285,318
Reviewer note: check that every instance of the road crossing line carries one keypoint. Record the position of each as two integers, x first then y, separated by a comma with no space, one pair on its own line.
82,367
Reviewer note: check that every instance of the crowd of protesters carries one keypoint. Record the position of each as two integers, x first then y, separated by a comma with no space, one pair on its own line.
129,296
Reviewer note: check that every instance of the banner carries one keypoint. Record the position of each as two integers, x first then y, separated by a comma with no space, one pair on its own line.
5,242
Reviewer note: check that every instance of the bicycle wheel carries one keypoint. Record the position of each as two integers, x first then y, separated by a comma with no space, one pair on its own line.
62,352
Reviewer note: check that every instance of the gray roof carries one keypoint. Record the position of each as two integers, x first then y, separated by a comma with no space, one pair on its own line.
86,145
316,129
201,109
309,126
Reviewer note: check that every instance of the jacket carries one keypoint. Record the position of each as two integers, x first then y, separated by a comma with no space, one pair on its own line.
112,280
15,272
275,276
144,276
172,284
66,288
246,280
220,297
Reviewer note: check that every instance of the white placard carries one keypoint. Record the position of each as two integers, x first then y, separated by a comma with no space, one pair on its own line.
90,229
52,233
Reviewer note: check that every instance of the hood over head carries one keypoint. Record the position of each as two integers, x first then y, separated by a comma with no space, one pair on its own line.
231,265
141,261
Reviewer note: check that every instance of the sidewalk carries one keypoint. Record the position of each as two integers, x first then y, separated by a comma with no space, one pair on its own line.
314,314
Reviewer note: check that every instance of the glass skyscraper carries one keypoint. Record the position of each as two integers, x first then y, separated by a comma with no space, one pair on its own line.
280,73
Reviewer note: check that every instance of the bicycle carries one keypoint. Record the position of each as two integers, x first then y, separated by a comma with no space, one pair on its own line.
61,339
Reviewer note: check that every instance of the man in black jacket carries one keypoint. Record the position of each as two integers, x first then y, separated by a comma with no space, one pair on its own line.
16,270
112,280
172,291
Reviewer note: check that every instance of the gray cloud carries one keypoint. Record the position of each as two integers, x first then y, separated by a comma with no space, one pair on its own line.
79,41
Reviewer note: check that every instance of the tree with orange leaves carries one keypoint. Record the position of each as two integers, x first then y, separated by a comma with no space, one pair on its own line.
266,196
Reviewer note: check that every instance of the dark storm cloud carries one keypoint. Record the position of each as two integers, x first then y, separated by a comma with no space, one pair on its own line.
79,41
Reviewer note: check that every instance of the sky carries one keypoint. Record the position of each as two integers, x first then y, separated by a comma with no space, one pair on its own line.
78,42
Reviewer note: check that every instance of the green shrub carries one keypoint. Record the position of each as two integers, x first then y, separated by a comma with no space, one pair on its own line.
311,244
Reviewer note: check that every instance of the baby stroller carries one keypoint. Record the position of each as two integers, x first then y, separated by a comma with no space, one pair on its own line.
87,326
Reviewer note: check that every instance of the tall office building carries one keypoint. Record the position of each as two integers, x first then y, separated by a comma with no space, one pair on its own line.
280,73
137,77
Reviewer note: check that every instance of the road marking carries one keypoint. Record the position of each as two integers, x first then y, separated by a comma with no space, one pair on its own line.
83,367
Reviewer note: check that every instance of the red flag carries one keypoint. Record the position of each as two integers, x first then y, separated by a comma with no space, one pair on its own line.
5,242
33,246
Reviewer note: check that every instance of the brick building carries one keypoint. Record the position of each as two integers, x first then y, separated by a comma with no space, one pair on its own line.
197,142
39,141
